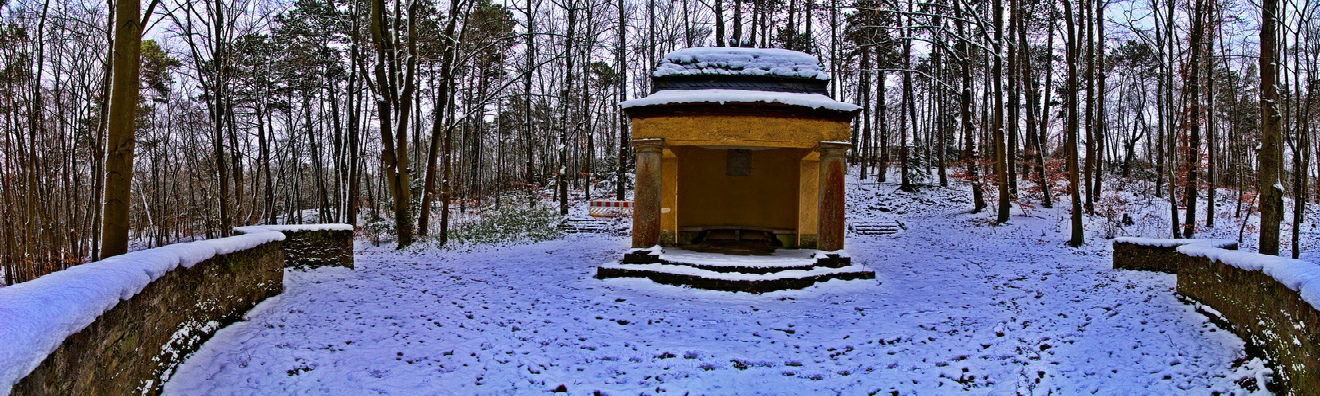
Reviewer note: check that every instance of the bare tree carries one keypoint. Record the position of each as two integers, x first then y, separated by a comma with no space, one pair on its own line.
120,128
394,84
1074,39
1271,147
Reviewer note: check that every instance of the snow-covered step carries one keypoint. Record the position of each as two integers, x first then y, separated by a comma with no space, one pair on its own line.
684,275
780,260
784,269
876,227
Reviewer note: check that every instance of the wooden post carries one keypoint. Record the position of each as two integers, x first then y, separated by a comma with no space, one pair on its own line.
646,207
830,224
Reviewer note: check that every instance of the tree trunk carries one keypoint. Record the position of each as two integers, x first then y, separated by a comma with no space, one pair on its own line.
882,109
1001,152
120,128
1101,124
864,98
965,110
219,85
1192,86
561,180
719,25
1271,151
443,87
1074,187
1043,128
621,55
1088,164
393,109
910,120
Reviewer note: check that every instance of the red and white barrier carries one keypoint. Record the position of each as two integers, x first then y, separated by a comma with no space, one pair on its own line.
610,208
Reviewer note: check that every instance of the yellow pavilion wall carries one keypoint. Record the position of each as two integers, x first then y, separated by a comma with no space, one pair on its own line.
751,131
781,192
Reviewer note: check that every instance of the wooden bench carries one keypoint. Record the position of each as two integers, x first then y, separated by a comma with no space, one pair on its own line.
779,236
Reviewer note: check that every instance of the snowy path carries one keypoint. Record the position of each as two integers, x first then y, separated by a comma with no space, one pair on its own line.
958,305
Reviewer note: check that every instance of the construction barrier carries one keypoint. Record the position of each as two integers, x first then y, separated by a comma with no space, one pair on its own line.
610,208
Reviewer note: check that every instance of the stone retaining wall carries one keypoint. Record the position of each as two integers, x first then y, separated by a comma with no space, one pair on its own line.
314,245
122,325
1268,301
1265,313
1157,255
137,344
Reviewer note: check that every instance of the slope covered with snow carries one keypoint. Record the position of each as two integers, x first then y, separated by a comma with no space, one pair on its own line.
958,305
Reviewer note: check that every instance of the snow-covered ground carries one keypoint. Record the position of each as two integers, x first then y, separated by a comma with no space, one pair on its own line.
958,305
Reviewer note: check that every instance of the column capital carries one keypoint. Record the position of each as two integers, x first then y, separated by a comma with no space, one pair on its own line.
830,147
649,144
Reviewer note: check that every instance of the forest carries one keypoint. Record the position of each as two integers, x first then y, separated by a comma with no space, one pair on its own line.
126,125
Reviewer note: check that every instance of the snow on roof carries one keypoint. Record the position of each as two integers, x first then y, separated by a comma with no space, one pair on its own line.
722,96
36,316
705,61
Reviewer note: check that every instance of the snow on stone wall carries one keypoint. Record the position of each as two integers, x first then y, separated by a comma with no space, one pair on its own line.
296,227
313,245
1297,275
145,310
36,316
1156,242
1269,301
1148,254
1273,302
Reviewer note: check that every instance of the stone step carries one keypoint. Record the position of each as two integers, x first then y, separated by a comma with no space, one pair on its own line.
876,228
779,260
732,269
576,226
684,275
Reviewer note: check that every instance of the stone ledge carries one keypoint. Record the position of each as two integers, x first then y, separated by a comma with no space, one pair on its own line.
1265,313
1159,255
791,269
150,309
136,345
1260,298
309,246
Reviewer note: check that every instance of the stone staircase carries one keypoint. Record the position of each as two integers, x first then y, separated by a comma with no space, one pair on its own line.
586,225
875,227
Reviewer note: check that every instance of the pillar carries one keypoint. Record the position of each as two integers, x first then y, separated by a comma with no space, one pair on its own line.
646,196
668,198
830,225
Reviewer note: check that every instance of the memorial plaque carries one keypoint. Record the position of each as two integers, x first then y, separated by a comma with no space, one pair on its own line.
739,163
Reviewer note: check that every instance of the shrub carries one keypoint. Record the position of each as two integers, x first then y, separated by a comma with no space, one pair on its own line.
515,222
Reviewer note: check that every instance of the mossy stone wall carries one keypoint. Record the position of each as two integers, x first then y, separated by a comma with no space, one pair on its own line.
1131,256
135,346
1269,316
1166,259
312,249
1263,312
